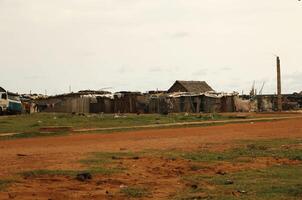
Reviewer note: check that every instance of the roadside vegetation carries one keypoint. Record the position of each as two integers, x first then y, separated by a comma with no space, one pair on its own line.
36,121
42,172
57,124
134,192
107,163
101,163
279,180
241,151
4,184
247,150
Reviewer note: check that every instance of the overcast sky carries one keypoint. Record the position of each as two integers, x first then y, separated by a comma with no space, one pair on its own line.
142,45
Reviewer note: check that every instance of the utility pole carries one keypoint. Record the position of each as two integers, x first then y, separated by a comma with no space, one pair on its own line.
279,94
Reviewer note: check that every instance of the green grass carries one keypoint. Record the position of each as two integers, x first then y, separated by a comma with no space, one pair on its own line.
33,122
28,126
98,158
70,173
277,182
96,163
244,152
43,172
4,184
134,192
33,134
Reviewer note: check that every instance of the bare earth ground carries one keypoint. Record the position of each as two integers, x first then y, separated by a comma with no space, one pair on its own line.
161,175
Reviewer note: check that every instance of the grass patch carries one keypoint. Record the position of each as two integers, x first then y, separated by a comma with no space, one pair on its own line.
4,184
107,162
135,192
244,151
277,182
98,158
98,163
280,182
33,122
33,134
70,173
43,172
197,167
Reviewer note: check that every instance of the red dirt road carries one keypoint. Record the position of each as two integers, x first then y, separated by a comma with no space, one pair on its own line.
58,152
64,152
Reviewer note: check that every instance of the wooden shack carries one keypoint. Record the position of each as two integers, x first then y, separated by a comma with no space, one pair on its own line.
126,102
102,104
190,86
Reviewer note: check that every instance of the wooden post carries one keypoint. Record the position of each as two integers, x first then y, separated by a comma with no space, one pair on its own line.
279,101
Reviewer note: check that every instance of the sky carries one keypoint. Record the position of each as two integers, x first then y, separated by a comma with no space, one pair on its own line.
140,45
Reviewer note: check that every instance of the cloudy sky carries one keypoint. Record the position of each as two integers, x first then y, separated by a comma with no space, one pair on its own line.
147,44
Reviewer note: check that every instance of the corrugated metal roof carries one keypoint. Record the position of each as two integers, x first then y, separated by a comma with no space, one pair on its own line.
207,94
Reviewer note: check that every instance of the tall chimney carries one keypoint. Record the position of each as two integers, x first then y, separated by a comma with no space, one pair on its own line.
279,101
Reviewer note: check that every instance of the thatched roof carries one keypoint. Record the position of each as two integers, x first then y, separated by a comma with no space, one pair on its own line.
192,86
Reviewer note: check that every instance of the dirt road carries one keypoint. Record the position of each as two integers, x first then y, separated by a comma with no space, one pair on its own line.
56,152
64,152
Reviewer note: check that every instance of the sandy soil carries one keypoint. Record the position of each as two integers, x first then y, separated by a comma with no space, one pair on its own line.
161,175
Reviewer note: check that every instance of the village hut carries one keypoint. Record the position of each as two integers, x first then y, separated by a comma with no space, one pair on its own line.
190,86
69,103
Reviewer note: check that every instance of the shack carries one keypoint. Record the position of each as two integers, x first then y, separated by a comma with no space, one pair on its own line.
126,102
69,103
209,102
190,86
268,102
103,103
159,103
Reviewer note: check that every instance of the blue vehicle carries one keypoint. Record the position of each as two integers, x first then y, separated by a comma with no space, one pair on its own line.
10,103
